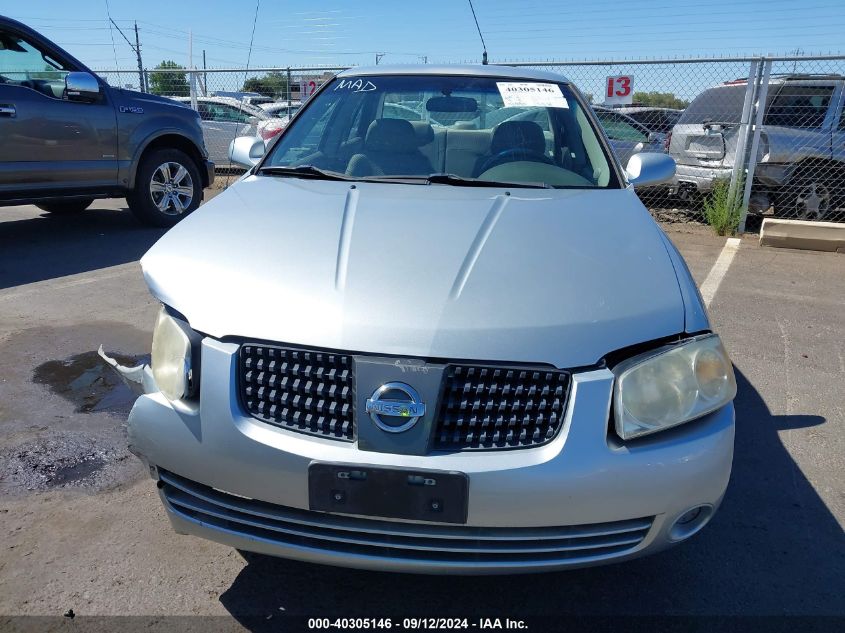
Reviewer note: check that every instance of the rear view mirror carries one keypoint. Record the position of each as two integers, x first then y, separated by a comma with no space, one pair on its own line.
647,169
246,151
451,104
82,87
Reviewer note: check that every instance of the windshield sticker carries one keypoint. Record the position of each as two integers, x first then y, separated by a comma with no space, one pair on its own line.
356,85
527,94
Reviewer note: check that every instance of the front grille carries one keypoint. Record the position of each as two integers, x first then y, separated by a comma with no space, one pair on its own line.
488,407
428,542
300,390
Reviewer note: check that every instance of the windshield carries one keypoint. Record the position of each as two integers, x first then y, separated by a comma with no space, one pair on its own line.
722,104
472,128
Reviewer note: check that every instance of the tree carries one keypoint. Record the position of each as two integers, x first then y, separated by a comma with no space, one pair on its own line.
172,84
274,84
660,100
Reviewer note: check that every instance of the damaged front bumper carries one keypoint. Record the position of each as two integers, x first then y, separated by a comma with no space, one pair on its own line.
139,379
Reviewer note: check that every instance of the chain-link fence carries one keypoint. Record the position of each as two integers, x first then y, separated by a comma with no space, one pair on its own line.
770,131
750,136
233,102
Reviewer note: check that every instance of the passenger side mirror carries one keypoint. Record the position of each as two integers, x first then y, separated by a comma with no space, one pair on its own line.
645,170
82,87
247,151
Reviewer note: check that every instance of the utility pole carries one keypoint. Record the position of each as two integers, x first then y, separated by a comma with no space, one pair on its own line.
192,76
141,81
204,76
137,48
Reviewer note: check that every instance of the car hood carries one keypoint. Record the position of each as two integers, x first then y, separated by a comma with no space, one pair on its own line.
149,98
433,271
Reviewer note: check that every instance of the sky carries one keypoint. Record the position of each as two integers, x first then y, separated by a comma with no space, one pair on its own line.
302,33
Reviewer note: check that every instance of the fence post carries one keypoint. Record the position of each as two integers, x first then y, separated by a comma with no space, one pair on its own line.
193,85
760,109
288,90
745,124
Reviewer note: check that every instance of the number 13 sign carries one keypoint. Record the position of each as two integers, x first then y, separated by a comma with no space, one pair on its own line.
619,90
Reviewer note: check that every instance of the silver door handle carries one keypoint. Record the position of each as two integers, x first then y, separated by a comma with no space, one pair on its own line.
7,110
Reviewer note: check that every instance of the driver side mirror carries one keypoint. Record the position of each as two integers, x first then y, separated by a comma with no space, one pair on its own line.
246,151
82,87
647,169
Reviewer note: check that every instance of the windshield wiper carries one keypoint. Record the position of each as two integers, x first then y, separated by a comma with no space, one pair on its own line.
452,179
309,171
302,171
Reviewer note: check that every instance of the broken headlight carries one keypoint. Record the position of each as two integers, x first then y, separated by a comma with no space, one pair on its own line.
673,385
174,364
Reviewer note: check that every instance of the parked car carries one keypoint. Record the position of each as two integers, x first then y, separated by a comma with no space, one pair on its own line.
400,346
627,136
226,118
801,154
68,137
250,98
655,119
281,109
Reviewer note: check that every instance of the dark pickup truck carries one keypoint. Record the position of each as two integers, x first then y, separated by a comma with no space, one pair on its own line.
67,137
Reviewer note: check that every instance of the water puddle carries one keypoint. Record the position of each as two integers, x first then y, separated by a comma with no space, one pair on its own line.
87,382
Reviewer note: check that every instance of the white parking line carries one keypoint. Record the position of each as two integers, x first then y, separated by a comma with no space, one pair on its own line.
720,268
69,281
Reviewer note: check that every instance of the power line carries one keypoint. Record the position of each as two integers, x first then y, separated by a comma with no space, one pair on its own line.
137,50
246,70
111,34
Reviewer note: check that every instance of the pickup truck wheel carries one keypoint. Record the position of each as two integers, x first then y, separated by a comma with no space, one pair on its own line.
167,188
812,201
66,207
808,196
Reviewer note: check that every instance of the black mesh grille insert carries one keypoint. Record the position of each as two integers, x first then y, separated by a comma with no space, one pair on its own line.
300,390
485,407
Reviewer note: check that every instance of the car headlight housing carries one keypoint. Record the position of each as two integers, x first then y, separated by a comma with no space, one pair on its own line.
671,386
173,363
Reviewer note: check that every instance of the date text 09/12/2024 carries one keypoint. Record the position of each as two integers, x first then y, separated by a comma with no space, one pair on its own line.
416,624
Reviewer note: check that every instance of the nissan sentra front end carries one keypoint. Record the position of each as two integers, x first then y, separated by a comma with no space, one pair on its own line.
435,372
568,493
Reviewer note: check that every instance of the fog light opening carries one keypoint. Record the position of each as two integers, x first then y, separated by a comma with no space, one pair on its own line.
690,522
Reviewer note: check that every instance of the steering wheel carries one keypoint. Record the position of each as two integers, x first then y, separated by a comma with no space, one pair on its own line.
512,155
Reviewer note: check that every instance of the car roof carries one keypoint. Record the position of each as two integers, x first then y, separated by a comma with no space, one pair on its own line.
222,100
821,79
464,70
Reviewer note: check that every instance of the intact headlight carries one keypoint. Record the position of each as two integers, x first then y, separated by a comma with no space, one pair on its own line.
173,369
660,390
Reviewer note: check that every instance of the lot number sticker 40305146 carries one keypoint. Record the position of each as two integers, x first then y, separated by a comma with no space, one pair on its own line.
531,94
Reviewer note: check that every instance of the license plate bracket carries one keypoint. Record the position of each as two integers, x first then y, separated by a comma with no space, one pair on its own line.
389,492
